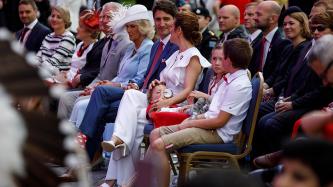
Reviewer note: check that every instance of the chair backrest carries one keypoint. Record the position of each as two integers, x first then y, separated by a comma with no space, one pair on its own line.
208,73
252,113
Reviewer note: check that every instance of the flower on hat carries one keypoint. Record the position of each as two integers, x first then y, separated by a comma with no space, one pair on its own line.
90,19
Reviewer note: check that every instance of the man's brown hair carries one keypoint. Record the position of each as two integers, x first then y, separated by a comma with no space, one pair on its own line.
29,2
238,51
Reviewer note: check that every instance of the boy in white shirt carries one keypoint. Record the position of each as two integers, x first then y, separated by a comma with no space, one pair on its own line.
220,123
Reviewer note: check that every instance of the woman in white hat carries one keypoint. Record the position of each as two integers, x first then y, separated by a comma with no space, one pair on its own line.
139,25
181,75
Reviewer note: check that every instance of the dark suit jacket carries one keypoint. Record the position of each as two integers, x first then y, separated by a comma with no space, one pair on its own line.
35,38
238,32
257,40
296,72
208,42
168,50
91,69
274,55
307,89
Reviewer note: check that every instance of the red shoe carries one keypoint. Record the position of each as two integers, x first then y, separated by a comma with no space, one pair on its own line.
81,139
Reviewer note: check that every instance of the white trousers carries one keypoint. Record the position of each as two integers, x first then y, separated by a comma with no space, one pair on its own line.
129,125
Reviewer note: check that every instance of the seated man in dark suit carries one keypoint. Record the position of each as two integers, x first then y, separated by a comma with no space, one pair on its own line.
304,91
267,54
33,32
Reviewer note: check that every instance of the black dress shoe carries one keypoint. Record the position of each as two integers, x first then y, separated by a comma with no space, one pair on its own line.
269,160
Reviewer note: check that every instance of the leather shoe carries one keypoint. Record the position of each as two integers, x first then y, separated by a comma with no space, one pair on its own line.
269,160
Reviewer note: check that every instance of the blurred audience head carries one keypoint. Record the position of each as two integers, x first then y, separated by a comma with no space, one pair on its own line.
321,59
306,163
222,178
318,8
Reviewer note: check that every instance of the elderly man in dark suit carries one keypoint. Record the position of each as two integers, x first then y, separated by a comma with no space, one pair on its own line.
33,32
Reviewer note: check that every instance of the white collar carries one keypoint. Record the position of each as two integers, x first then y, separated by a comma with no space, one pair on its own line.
32,24
270,35
255,34
165,40
235,75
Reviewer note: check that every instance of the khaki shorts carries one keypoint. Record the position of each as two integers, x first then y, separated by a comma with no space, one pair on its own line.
174,138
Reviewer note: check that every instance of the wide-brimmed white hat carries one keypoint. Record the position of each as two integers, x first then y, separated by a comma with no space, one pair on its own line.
134,13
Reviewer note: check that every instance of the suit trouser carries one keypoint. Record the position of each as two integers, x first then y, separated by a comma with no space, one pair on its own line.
66,103
273,128
102,108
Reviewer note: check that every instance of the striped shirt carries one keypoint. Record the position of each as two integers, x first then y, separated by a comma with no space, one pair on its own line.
56,52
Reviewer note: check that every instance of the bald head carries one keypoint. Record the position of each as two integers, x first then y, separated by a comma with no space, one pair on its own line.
267,15
228,17
271,7
232,9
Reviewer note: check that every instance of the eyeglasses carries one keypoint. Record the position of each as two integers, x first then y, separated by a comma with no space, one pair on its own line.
319,28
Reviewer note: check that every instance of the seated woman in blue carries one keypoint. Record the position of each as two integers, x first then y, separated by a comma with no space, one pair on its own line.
134,64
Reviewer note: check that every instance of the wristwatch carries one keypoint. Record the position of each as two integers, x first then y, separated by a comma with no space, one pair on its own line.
167,93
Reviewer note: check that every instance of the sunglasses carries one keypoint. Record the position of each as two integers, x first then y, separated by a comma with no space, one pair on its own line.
319,28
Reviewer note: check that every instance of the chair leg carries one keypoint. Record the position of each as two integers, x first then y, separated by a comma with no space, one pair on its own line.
182,172
146,142
172,165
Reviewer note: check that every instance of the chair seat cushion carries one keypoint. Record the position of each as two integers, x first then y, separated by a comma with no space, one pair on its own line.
148,128
228,147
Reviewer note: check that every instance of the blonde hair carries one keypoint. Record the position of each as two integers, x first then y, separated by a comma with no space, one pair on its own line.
146,28
64,14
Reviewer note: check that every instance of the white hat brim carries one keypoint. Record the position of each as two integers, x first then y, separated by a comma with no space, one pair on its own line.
140,16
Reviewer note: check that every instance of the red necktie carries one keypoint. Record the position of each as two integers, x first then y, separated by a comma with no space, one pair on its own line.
262,53
225,79
156,57
23,33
